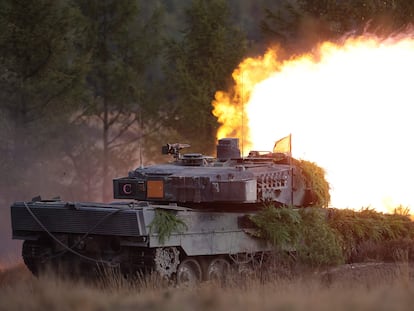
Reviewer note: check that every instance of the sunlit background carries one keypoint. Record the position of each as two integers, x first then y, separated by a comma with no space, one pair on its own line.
348,108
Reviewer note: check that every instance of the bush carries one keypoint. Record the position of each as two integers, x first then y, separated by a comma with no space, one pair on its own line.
320,245
367,230
324,237
303,230
280,226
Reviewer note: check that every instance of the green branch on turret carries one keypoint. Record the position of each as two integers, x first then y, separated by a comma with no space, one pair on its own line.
319,186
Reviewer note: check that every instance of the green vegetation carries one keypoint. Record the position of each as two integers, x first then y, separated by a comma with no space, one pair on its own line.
298,25
320,245
201,63
315,176
280,226
305,231
42,71
324,237
165,223
122,47
371,235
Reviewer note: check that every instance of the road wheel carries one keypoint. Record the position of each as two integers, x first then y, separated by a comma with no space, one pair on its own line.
218,269
189,272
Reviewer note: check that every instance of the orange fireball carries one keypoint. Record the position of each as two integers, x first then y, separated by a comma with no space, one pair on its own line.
348,107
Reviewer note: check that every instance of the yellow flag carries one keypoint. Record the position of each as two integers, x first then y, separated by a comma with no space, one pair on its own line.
283,145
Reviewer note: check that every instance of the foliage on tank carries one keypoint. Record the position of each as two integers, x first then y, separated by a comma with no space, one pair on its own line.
304,230
370,234
315,176
324,237
320,245
278,225
165,222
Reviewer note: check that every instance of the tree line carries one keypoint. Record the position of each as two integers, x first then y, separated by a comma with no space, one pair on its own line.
90,89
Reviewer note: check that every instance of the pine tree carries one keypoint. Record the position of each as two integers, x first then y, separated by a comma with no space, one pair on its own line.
300,24
123,46
42,65
197,66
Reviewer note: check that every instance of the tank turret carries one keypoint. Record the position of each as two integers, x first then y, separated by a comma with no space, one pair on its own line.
227,181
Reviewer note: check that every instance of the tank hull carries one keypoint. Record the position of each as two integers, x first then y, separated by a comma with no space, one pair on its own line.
124,235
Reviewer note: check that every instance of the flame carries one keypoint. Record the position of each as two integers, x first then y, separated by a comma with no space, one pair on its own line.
347,107
230,108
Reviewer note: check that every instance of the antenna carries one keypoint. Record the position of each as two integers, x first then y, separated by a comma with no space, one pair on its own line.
242,115
140,137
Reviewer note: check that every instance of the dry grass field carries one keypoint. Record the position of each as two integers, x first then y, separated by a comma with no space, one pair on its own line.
369,286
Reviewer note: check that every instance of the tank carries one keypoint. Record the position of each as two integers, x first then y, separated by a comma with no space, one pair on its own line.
187,220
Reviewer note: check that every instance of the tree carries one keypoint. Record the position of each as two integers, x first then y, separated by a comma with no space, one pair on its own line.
42,65
381,17
197,66
123,45
299,24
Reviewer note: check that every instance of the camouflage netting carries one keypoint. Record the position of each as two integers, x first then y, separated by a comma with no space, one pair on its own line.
315,176
324,237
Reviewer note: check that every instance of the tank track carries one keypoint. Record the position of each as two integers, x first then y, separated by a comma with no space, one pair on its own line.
33,254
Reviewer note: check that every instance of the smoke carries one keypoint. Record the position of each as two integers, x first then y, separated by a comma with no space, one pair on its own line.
64,164
60,159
